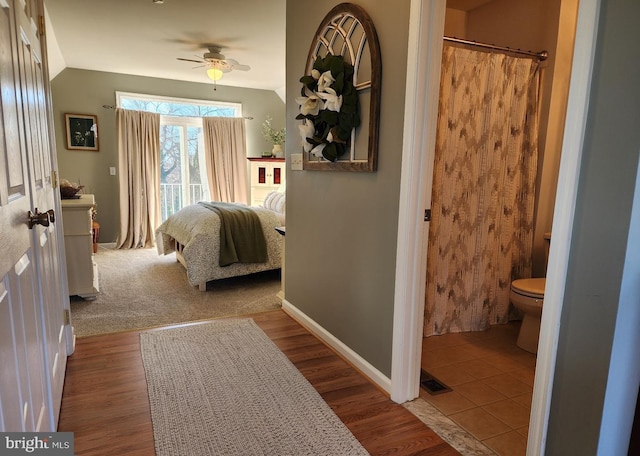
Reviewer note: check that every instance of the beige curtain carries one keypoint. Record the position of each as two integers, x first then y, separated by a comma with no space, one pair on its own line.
226,158
481,233
139,164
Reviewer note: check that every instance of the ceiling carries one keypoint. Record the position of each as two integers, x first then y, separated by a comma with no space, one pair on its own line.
142,38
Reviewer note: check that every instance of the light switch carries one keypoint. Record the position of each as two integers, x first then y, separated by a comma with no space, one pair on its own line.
112,170
296,162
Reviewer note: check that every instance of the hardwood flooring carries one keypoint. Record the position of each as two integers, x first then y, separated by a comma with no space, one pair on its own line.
105,399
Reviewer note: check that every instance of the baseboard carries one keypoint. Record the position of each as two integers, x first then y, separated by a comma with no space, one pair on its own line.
358,362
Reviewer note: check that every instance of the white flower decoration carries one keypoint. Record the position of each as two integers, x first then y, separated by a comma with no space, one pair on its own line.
332,102
306,131
310,104
324,82
317,151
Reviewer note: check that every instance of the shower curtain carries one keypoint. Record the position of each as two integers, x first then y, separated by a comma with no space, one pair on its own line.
481,232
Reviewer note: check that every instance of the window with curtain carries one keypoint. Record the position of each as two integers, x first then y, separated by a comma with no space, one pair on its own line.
183,177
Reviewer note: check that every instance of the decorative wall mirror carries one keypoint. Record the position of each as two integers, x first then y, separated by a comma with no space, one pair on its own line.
340,97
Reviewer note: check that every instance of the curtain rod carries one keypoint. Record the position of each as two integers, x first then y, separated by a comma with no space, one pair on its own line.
113,107
542,55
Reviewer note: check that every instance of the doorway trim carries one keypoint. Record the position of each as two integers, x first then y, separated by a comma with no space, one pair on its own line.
426,27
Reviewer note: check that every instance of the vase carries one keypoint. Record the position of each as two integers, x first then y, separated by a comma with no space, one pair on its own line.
277,151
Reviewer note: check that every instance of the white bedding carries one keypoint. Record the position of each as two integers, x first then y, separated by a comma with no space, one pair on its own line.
198,229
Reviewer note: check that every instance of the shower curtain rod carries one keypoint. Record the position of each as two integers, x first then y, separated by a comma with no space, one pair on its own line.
113,107
542,55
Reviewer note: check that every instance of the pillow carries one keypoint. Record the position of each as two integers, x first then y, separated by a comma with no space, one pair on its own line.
267,200
278,203
275,201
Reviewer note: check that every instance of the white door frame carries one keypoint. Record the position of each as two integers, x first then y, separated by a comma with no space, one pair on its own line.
423,77
426,29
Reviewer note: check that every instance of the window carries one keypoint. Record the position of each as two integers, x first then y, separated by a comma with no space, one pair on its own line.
183,176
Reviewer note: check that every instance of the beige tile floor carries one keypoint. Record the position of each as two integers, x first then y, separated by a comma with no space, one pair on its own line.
491,381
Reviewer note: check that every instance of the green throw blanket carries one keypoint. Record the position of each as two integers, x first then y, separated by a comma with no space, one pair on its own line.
241,236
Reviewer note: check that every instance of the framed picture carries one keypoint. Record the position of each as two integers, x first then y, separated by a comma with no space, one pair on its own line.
82,131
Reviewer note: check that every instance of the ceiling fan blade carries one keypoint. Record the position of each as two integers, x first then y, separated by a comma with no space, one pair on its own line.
237,66
242,67
190,60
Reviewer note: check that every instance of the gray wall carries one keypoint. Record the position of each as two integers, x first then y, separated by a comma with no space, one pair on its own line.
342,226
84,92
593,299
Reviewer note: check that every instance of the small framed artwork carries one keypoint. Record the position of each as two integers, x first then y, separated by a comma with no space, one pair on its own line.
82,131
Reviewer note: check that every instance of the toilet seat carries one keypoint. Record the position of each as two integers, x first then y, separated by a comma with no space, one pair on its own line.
532,288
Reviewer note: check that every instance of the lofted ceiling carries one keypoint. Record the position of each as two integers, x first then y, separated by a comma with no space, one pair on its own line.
144,38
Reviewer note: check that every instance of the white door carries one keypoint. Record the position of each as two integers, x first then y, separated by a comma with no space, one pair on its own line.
32,303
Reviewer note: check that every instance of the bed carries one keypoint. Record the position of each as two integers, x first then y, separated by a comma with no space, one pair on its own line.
193,233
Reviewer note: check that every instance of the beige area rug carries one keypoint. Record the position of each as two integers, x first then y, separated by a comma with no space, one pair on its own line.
140,289
224,388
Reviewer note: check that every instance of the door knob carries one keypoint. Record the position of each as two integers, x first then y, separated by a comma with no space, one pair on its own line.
52,215
39,218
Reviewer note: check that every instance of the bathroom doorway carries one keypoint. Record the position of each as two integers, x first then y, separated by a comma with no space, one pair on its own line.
553,135
479,184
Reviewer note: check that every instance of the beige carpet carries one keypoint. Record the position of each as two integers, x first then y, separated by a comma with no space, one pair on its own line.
224,388
140,289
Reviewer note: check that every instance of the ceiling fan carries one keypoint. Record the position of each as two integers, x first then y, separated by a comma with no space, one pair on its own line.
217,63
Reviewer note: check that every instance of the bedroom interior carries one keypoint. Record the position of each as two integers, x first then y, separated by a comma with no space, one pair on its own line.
350,304
82,90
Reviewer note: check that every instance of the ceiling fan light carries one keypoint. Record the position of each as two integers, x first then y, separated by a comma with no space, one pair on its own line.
214,74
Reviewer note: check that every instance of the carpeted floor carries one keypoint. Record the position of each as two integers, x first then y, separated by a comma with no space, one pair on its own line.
224,388
140,289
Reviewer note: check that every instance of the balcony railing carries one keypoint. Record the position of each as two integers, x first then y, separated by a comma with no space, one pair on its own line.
172,198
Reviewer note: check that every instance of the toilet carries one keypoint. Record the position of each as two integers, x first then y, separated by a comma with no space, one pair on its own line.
527,295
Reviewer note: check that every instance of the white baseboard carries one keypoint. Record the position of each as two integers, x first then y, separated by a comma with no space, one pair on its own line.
358,362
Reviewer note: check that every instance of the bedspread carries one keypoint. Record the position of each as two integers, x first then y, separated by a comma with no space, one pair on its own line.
241,236
198,230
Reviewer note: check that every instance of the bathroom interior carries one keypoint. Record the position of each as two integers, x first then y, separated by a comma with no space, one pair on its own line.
484,378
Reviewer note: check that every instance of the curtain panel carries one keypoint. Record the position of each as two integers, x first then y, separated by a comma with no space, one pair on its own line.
226,158
481,233
139,177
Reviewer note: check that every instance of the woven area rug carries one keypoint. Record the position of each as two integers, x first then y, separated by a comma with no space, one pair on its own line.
140,289
224,388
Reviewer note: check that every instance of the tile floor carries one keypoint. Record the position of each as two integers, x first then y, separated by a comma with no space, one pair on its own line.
491,381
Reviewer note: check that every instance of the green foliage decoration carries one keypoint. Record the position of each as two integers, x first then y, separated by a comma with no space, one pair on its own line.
329,107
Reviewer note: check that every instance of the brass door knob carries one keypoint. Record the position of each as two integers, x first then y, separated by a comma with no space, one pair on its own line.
38,218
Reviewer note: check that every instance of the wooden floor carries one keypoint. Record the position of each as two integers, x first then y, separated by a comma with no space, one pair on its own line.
105,399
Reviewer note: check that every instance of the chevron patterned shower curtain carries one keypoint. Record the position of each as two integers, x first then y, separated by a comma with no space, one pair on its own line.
481,233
